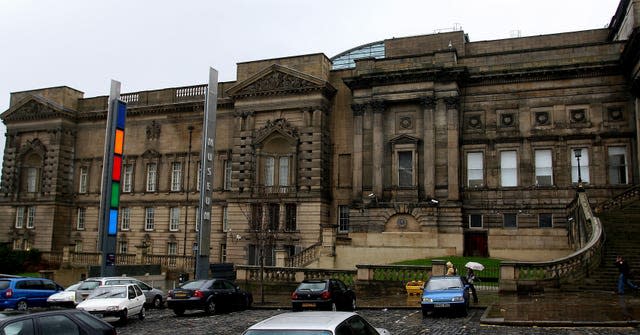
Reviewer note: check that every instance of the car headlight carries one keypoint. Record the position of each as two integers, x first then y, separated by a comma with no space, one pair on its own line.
427,299
112,308
457,299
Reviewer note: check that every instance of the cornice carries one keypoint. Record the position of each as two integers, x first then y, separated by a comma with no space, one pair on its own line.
406,76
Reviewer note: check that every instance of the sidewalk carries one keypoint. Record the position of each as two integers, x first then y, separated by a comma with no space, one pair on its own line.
572,309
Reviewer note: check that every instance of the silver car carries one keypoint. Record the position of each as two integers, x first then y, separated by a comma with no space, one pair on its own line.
154,297
315,323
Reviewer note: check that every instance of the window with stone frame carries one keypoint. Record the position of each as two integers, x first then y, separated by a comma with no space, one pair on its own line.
545,220
343,219
475,220
127,178
290,217
617,160
508,168
84,176
149,220
174,218
475,169
276,174
123,246
81,218
404,161
17,244
19,217
152,177
176,176
172,248
256,217
197,219
510,220
274,217
225,218
78,246
223,253
544,167
31,169
227,175
584,166
31,217
125,218
405,169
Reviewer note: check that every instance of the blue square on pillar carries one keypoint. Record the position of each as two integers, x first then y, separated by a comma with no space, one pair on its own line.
113,222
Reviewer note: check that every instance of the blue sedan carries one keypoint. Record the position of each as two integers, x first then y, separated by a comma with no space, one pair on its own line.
447,293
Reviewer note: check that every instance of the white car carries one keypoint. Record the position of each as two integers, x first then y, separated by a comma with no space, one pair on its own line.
115,301
66,298
315,323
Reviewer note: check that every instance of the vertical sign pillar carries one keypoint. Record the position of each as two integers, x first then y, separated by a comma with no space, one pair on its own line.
110,185
206,176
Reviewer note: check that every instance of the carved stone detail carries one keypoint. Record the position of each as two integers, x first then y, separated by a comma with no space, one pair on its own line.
279,124
428,102
153,131
277,81
358,109
452,102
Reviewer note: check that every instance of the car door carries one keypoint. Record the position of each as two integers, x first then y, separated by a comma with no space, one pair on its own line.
135,299
234,296
338,292
146,289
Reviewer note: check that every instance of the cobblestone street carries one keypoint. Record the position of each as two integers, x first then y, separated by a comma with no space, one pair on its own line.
397,321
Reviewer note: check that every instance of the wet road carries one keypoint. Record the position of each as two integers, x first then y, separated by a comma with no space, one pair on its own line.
397,321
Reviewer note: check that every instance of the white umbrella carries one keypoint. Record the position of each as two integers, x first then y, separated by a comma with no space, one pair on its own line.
474,266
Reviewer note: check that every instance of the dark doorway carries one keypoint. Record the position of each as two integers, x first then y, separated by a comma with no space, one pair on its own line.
475,243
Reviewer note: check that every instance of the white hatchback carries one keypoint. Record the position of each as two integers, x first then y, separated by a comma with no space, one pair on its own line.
115,301
315,323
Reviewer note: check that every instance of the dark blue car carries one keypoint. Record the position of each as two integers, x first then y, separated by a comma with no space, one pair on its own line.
445,293
20,293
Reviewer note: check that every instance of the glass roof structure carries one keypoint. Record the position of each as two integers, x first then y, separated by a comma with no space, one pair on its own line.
346,60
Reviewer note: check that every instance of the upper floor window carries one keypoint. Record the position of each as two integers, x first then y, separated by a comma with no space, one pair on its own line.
617,165
127,178
405,168
84,175
152,172
544,168
125,218
508,168
227,175
172,248
197,227
176,176
290,217
81,215
274,217
276,169
510,220
583,153
149,221
32,179
545,220
123,247
225,219
174,218
19,217
256,217
475,221
31,217
343,219
475,172
30,173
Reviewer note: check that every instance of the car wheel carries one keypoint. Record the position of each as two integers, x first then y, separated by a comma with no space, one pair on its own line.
425,313
247,303
123,316
334,307
178,311
210,307
353,304
157,302
141,315
22,306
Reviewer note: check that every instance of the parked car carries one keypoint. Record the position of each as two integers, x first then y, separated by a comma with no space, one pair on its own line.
327,294
23,292
315,323
59,321
115,301
66,298
445,293
154,297
210,295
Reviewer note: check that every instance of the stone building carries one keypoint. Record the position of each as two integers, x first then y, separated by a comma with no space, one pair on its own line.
405,148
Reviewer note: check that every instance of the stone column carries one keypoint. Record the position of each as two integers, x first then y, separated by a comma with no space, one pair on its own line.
429,151
358,112
453,147
378,108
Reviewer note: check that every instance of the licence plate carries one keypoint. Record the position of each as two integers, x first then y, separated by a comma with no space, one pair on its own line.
442,305
308,305
98,315
180,295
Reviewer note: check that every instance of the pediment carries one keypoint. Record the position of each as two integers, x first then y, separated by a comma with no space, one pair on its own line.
279,126
36,108
278,80
404,139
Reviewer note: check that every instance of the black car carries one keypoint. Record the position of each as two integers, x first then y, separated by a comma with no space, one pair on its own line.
59,321
327,294
210,295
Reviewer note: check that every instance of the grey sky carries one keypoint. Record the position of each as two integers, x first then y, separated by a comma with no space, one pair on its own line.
152,44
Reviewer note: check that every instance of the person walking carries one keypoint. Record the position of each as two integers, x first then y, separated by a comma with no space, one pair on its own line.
471,277
624,278
451,270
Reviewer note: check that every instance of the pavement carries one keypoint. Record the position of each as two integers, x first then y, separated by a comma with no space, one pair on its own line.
542,309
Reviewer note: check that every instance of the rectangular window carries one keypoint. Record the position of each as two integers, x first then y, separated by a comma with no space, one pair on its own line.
78,247
223,253
32,180
545,220
152,170
475,172
172,248
81,214
508,169
584,165
227,175
176,176
197,227
290,217
405,169
84,175
544,168
198,177
343,219
475,221
19,217
269,163
127,178
174,218
283,173
225,219
274,217
31,217
256,217
510,220
123,247
618,165
125,218
268,253
149,223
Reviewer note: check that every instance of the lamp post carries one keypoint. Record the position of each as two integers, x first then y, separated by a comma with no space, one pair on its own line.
578,153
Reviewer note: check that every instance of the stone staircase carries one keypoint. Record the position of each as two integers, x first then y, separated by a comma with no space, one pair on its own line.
622,237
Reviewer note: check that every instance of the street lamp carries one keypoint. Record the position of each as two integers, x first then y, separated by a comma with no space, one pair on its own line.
578,153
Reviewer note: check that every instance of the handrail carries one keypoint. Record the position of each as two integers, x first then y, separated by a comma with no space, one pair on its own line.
304,257
631,193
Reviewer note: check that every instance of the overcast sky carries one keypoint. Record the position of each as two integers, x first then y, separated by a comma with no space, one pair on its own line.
152,44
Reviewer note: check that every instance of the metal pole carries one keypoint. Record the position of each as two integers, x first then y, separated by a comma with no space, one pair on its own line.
186,207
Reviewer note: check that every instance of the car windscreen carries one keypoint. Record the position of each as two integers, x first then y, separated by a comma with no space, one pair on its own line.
4,284
286,332
89,285
312,286
108,292
193,285
444,284
72,287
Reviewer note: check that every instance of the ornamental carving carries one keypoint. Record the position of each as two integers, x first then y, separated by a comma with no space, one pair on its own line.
507,120
281,125
474,122
578,115
615,114
277,81
452,102
377,106
358,109
428,102
405,122
542,118
153,131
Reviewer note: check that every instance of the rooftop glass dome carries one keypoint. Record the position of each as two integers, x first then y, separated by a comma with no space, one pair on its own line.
346,60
